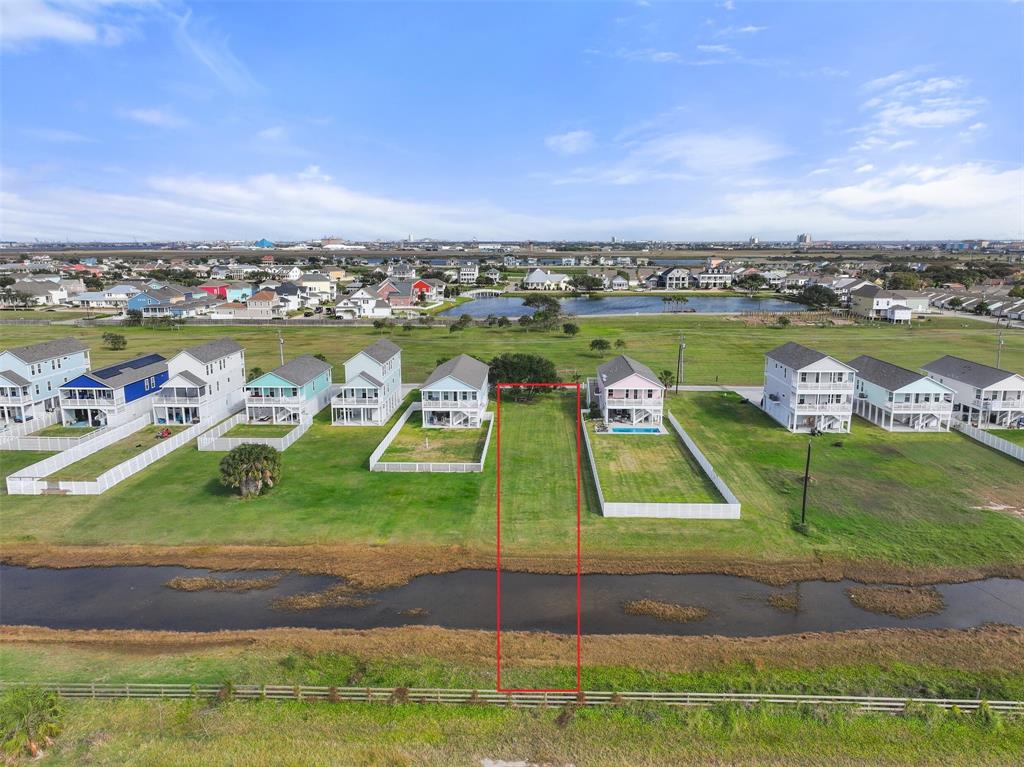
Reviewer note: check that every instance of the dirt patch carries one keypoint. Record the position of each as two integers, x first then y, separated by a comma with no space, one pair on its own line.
375,567
223,584
340,595
901,601
997,649
415,612
785,601
665,611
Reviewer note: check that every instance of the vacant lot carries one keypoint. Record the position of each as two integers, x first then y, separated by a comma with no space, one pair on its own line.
1015,436
653,468
415,444
260,430
12,460
110,456
59,430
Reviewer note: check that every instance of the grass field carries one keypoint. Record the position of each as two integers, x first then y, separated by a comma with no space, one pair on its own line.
653,468
260,430
415,444
59,430
110,456
1015,436
12,460
901,498
235,733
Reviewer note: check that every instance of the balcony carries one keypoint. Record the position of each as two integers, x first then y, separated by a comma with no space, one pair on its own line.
451,404
1017,403
635,402
177,399
255,401
825,407
824,385
920,407
343,400
90,400
16,399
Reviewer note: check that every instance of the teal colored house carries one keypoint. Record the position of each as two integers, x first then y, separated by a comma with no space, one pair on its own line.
292,393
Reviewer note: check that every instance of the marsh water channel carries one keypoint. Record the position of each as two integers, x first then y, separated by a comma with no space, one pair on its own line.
138,598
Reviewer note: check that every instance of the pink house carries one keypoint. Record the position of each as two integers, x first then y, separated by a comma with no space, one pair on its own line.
628,393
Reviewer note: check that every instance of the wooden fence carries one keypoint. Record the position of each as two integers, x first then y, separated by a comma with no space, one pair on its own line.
136,691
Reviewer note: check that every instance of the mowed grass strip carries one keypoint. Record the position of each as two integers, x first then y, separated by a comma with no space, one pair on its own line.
416,444
260,430
651,468
1016,436
108,457
12,460
59,430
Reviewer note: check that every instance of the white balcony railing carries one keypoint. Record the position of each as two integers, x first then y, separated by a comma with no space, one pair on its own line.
635,401
824,385
453,404
19,399
258,401
342,400
920,407
1016,403
164,399
824,407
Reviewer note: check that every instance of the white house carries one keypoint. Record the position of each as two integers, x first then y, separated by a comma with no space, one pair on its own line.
468,274
31,376
373,386
203,382
898,399
627,393
806,390
455,394
716,277
873,303
986,397
539,279
114,394
114,297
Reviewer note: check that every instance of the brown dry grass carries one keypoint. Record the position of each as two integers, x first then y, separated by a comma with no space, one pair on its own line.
785,601
375,567
339,595
666,611
901,601
991,648
208,583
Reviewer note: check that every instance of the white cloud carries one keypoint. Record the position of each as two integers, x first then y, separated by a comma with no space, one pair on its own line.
749,29
715,49
909,202
56,136
159,118
646,54
25,23
197,38
313,173
273,133
865,168
572,142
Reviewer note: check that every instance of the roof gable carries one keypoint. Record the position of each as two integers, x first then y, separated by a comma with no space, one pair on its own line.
463,368
973,373
621,368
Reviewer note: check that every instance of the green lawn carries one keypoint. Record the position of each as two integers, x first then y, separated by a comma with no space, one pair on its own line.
1015,436
260,430
417,444
12,460
110,456
904,498
59,430
652,468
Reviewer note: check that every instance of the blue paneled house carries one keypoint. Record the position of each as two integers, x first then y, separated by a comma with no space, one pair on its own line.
113,394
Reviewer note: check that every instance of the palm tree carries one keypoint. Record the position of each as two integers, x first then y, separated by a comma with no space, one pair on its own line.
250,467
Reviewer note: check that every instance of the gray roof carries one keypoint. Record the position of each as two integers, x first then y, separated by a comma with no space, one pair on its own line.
368,377
14,378
796,356
301,370
192,378
59,347
882,373
382,350
469,370
973,373
213,350
622,367
33,288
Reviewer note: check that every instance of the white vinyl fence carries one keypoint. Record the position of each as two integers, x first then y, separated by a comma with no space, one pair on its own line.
728,510
991,440
517,699
214,440
10,432
424,467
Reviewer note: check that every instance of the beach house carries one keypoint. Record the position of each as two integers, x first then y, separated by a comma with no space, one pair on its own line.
113,394
455,394
806,390
31,376
291,393
204,382
898,399
373,386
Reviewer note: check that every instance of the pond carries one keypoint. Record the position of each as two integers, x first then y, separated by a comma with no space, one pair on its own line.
506,306
137,598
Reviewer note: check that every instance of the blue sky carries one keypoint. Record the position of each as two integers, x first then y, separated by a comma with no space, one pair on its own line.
719,120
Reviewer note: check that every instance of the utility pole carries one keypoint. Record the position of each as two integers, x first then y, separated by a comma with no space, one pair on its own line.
679,362
807,478
280,341
999,346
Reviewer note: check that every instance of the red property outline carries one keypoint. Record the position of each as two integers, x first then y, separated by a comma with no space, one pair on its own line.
579,634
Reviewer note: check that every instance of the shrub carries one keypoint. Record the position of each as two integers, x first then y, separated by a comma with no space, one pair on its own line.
250,468
30,718
114,341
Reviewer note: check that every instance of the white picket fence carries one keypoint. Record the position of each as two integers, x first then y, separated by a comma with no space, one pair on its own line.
728,510
991,440
514,699
426,467
10,432
214,440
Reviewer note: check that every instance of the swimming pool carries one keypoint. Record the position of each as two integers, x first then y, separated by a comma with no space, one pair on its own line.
636,430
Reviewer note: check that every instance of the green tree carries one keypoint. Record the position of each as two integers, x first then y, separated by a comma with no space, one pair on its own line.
620,343
523,368
818,296
751,283
114,341
504,322
955,303
667,378
570,328
30,718
132,318
586,283
599,345
254,373
249,468
1017,291
904,281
